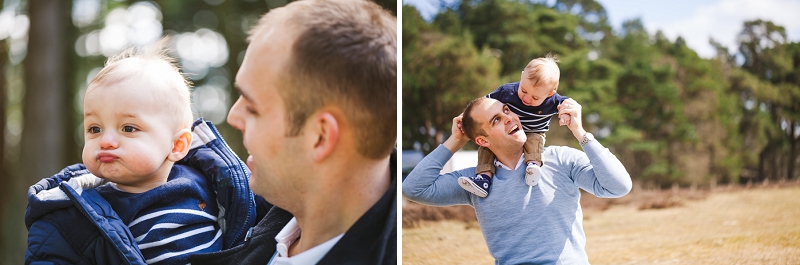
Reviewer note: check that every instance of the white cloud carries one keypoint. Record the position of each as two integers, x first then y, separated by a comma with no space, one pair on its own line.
724,20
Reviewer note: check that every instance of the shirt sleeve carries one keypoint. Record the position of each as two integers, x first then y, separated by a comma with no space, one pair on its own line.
598,171
498,93
425,185
559,98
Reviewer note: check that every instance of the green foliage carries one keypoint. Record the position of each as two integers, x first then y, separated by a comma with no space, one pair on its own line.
441,73
669,115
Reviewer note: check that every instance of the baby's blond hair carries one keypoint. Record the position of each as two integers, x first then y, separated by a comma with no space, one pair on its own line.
151,64
543,71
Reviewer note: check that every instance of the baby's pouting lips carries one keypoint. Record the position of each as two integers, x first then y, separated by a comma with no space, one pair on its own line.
106,157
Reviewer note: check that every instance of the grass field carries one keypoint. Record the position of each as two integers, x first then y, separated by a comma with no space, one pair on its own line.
744,226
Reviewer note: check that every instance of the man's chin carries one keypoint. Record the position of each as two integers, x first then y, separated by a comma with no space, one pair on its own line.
256,187
520,135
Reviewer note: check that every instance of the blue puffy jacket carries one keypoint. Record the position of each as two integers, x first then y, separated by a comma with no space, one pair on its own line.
57,204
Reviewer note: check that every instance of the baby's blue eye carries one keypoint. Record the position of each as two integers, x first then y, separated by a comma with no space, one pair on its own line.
128,128
95,129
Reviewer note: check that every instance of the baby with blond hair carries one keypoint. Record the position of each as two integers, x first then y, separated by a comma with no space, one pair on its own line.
142,205
535,101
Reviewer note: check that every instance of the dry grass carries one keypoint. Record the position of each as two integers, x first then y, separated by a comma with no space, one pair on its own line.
415,215
445,242
733,226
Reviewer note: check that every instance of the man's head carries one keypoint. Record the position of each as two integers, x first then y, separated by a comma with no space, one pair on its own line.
316,71
491,124
539,80
137,116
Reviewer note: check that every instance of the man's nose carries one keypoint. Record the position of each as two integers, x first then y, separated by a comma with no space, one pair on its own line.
507,119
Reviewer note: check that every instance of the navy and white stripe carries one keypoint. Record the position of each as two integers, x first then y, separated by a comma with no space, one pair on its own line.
171,221
533,119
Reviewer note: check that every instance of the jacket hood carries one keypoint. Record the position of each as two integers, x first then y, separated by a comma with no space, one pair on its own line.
47,196
239,208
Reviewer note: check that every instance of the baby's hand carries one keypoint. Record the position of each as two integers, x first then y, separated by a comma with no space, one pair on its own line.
564,119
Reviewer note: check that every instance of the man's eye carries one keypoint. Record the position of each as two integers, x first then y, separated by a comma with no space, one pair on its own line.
250,110
94,129
128,128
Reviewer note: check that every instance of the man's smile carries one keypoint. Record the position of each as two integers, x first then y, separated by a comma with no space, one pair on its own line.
514,129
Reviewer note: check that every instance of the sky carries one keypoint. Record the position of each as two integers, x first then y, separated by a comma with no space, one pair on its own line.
694,20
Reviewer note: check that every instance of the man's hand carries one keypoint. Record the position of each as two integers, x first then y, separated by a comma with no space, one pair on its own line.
572,109
457,139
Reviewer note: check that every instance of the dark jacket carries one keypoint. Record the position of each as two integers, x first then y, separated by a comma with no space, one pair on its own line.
371,240
69,222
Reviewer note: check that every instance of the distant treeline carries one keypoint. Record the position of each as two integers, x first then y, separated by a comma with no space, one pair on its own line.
669,115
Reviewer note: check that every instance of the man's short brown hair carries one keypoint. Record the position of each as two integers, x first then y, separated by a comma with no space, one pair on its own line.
345,54
469,125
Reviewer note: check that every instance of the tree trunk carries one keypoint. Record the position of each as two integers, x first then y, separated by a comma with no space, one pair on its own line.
5,199
46,127
762,159
3,100
792,152
45,116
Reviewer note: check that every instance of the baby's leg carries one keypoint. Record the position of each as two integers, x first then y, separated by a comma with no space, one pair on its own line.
533,148
485,162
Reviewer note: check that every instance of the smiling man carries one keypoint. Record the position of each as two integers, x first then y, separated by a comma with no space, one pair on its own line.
318,116
522,224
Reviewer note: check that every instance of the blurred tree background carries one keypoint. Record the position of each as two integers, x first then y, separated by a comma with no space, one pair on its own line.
51,49
669,115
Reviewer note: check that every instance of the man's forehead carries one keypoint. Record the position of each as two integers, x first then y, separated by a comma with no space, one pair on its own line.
485,109
488,107
267,56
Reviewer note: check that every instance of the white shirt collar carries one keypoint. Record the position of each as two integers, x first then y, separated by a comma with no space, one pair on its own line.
287,236
521,161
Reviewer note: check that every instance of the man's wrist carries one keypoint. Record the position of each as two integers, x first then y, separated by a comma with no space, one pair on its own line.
454,144
579,133
587,137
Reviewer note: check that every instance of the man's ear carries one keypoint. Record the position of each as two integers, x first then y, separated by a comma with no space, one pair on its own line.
481,141
182,141
325,128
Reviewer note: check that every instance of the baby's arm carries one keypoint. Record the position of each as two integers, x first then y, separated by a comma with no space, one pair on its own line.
563,119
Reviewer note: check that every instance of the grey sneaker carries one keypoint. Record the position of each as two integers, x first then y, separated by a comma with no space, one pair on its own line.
478,185
533,172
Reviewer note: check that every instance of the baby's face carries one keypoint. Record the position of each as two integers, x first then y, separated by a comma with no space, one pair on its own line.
128,133
533,95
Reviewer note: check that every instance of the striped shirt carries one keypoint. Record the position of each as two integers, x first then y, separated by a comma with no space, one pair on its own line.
173,220
533,119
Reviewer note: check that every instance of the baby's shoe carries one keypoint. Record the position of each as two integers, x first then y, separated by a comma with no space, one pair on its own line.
533,172
478,185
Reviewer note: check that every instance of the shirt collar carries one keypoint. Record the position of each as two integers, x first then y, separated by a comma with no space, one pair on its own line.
288,235
497,163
